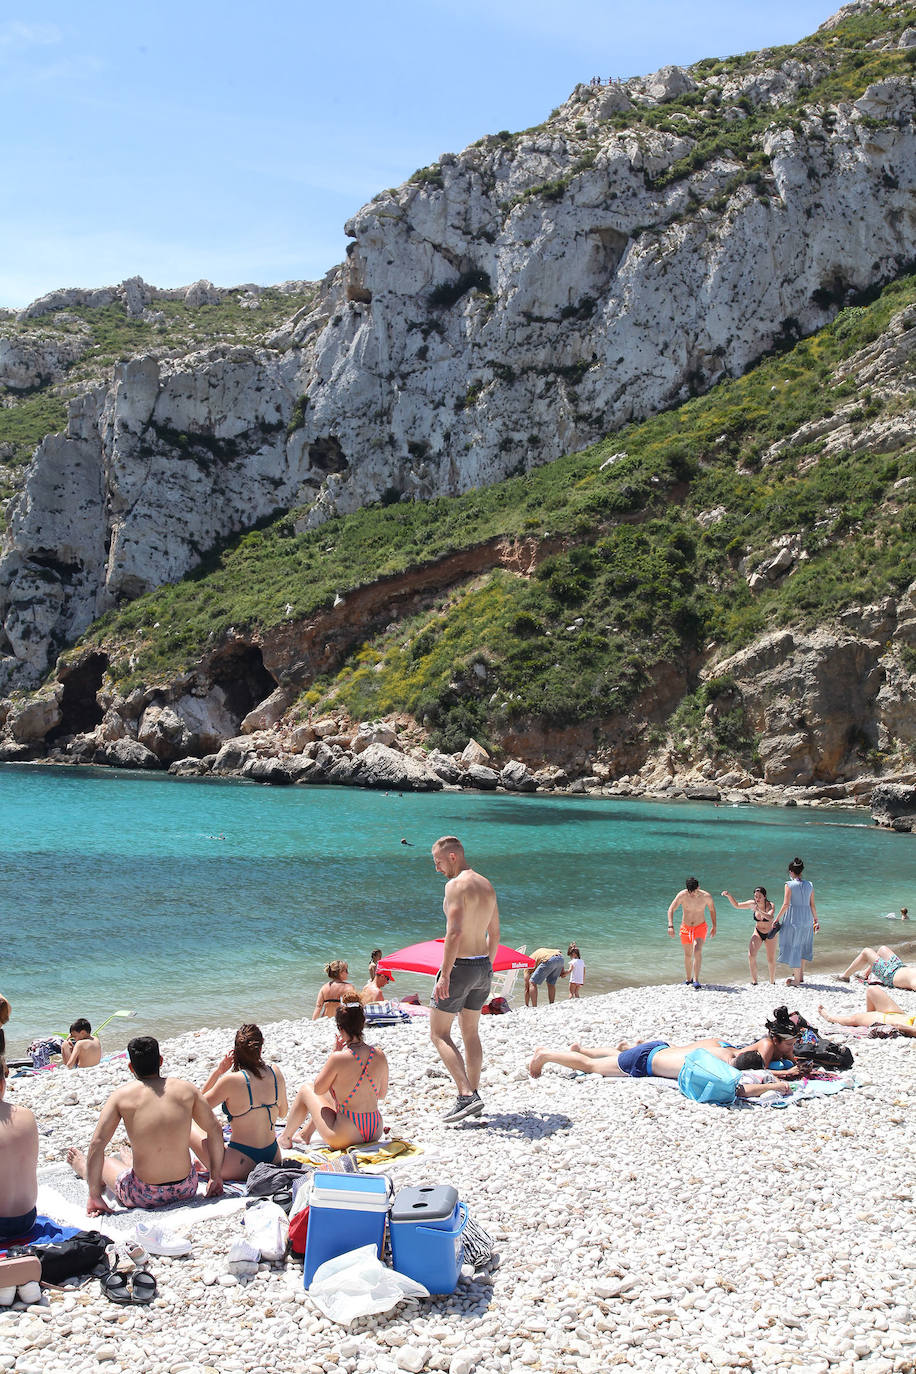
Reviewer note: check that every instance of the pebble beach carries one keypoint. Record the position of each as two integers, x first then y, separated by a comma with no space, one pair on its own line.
634,1229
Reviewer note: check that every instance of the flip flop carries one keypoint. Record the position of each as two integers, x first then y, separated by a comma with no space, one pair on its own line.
115,1287
143,1287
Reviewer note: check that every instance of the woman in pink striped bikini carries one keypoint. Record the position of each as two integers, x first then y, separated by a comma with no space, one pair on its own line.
342,1103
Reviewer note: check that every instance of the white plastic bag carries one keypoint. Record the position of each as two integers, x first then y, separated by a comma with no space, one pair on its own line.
267,1229
357,1284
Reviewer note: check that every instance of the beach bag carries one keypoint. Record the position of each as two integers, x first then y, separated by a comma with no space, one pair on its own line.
704,1078
266,1228
824,1054
65,1259
478,1243
41,1051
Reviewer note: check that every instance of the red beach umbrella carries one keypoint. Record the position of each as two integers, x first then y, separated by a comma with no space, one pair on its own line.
426,957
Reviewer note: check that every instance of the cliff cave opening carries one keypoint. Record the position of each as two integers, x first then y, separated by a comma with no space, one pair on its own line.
80,711
327,455
239,670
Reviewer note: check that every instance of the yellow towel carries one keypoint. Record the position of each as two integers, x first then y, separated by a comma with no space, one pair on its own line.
370,1154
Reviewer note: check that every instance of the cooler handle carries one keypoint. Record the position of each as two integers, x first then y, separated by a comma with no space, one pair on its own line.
437,1230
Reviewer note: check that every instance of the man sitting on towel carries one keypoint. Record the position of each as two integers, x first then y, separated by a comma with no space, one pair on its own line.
18,1165
157,1113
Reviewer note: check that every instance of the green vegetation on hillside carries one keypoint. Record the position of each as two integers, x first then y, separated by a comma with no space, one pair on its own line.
635,577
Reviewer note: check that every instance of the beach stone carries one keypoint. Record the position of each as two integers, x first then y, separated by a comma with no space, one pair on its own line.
413,1358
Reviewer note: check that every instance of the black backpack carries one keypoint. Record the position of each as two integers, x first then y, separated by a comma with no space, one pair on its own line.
823,1054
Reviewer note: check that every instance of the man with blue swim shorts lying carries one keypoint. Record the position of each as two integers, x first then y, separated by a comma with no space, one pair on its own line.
649,1059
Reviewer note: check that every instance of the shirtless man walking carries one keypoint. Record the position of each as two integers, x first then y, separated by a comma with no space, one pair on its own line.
694,903
157,1113
463,984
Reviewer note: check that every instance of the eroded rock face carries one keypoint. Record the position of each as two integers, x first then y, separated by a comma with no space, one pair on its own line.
812,700
507,308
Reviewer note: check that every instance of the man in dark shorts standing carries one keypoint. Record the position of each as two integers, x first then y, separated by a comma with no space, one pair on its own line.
463,984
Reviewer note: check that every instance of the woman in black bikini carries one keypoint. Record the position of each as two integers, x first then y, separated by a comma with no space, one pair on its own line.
252,1093
331,993
764,930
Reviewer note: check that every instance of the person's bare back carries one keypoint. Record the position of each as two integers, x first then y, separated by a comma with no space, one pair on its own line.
18,1158
157,1116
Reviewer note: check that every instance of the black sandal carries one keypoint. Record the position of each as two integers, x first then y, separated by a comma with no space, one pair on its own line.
115,1287
143,1287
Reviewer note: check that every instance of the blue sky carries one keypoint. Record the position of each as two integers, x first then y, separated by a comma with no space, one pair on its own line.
232,140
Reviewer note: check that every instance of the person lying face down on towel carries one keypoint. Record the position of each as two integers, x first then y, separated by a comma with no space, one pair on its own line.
157,1113
18,1165
649,1059
880,1010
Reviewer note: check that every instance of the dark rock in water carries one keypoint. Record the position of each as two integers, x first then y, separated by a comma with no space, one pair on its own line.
903,824
11,752
478,775
789,801
516,777
126,753
189,768
445,767
892,802
268,770
379,766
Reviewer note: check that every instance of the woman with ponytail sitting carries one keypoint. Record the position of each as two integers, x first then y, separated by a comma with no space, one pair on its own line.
342,1103
252,1093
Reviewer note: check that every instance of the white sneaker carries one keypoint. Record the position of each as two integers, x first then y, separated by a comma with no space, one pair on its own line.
157,1241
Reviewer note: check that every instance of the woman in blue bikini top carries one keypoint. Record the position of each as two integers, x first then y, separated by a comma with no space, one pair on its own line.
252,1093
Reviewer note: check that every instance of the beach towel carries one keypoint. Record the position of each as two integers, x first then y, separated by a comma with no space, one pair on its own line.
364,1155
801,1092
63,1196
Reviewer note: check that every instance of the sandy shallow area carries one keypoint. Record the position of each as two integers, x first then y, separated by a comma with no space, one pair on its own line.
634,1228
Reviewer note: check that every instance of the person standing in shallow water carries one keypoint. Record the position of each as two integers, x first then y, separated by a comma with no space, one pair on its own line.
694,903
798,916
463,984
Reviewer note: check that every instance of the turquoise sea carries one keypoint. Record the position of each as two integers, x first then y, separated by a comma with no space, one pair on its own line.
212,903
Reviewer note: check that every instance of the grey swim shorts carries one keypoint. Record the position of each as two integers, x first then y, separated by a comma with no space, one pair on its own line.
468,986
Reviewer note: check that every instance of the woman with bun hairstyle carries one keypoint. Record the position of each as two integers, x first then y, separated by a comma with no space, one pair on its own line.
252,1093
332,993
798,918
342,1103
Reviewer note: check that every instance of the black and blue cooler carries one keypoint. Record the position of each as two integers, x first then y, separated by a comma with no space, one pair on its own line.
426,1226
346,1211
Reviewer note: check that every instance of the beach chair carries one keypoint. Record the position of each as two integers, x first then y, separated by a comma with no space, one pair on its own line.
509,979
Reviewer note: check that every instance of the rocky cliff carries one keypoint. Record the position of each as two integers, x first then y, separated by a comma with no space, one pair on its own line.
508,304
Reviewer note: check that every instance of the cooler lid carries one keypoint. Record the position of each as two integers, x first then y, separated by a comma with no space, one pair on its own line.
430,1202
349,1190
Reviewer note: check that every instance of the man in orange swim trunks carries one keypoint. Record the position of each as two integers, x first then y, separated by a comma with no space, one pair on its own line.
694,904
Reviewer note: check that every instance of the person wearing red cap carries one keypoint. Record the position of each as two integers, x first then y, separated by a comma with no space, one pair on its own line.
374,991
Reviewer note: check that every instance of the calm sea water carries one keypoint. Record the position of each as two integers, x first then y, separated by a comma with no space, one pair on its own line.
199,903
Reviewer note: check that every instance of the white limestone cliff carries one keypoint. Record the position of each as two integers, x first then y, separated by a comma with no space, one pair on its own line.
511,303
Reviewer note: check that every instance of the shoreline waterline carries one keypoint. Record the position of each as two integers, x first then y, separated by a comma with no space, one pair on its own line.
203,904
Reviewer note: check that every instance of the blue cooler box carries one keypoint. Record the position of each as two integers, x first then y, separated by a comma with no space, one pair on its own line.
346,1211
427,1230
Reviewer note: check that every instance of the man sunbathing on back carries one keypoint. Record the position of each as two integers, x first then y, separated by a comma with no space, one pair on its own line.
157,1113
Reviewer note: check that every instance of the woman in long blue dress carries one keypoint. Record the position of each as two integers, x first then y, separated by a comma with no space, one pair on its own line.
798,918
